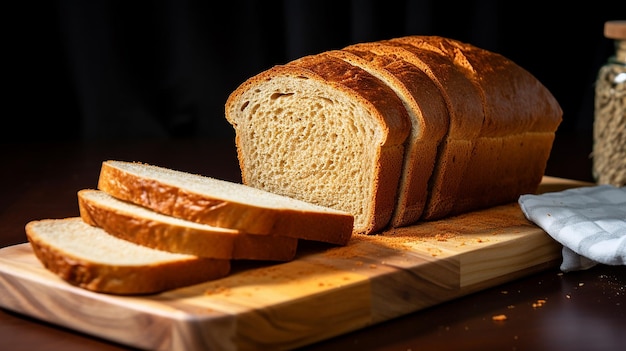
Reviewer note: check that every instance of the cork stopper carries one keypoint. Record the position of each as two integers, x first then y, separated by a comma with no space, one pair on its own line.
615,30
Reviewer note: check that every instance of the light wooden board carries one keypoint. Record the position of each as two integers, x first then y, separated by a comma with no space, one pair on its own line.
326,291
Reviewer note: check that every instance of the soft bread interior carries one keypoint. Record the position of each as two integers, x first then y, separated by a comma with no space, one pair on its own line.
294,133
77,239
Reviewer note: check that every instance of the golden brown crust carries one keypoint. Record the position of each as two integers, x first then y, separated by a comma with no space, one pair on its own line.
462,98
513,99
123,279
388,170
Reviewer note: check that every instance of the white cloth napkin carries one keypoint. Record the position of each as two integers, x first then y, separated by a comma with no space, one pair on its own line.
590,222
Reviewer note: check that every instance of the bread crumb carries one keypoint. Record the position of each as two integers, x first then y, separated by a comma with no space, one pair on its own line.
434,252
443,236
458,228
217,290
499,317
539,303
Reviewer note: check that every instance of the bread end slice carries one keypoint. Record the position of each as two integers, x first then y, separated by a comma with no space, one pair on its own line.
89,257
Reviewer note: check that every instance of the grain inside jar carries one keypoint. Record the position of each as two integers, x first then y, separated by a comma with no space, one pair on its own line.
609,134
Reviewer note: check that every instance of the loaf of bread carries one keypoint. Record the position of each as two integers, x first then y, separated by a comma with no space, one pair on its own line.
224,204
145,227
464,118
476,130
520,119
88,257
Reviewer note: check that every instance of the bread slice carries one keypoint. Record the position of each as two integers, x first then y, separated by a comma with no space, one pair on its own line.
145,227
465,115
223,204
92,259
429,124
324,131
521,116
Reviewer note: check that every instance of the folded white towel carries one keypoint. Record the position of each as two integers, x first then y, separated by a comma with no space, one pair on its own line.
590,222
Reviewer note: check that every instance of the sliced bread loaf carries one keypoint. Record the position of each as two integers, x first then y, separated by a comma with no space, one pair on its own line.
92,259
324,131
162,232
223,204
429,124
465,118
495,146
521,116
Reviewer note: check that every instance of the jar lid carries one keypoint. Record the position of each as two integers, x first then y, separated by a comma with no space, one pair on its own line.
615,29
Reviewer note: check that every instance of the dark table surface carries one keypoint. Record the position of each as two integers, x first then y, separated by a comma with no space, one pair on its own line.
550,310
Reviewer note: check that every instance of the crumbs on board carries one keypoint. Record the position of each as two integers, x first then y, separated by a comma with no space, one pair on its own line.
484,222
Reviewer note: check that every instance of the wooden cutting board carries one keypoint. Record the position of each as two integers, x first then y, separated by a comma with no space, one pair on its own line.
326,291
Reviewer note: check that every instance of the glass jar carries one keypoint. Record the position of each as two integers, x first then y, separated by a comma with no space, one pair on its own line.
609,126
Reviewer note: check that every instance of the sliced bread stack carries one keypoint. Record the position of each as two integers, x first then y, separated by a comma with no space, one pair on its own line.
395,131
148,229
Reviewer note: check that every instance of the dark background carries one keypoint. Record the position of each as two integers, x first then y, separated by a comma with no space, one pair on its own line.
101,70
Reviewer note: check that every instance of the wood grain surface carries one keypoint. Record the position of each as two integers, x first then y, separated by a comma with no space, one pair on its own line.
324,292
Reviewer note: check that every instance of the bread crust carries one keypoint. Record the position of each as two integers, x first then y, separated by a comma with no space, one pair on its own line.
429,117
133,224
114,278
179,201
465,120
